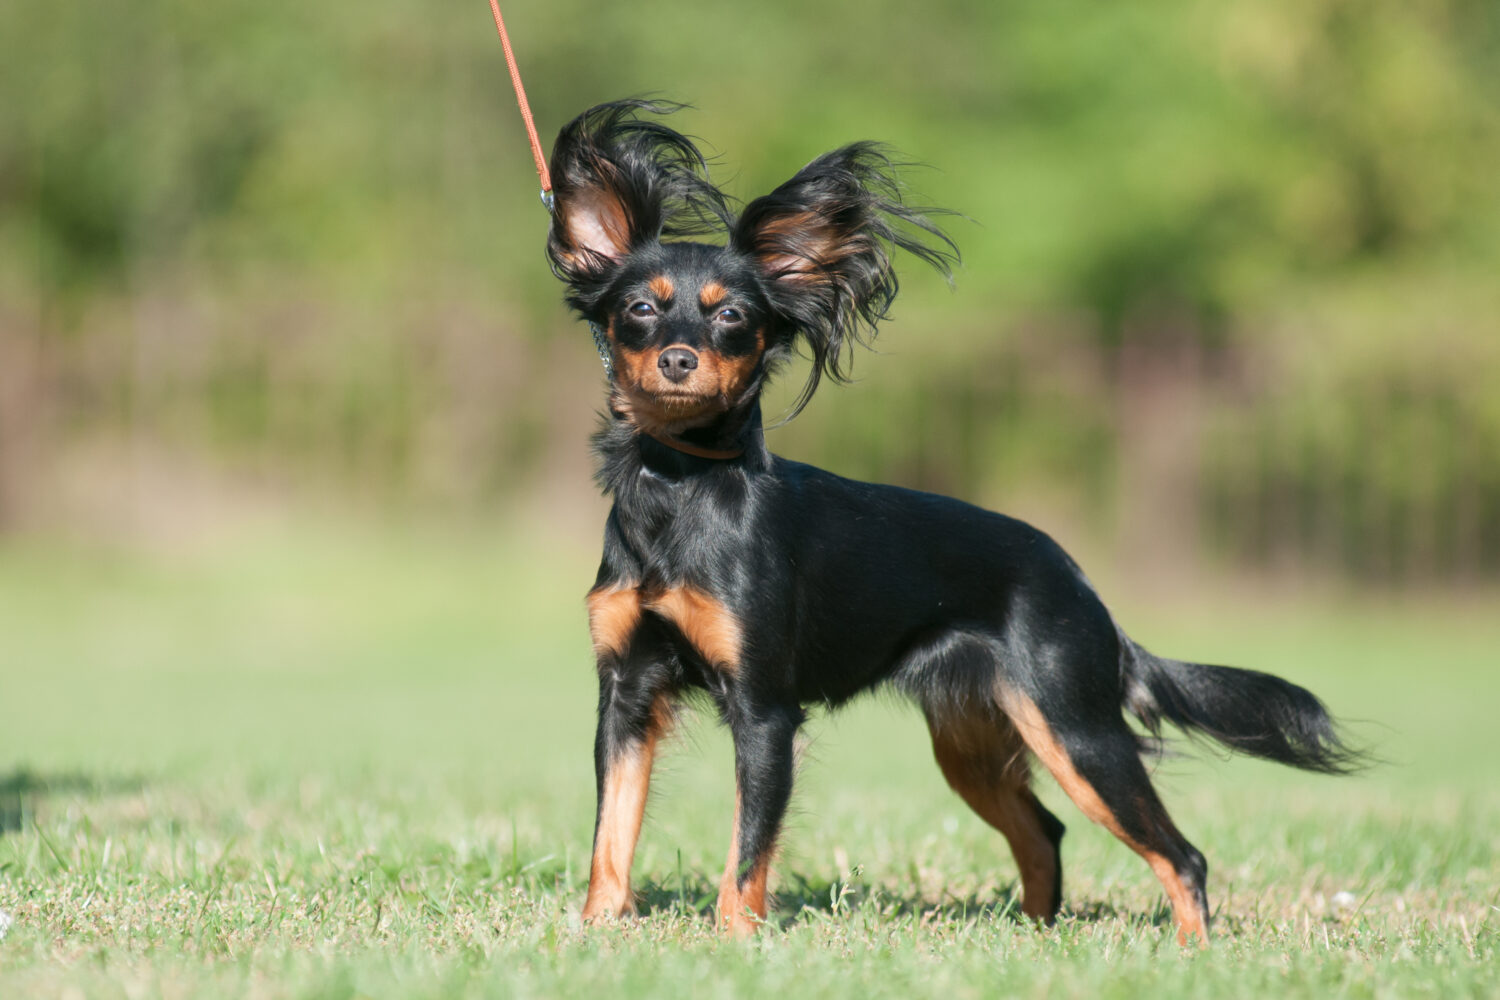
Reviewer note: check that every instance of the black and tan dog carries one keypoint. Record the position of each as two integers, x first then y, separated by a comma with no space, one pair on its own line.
771,585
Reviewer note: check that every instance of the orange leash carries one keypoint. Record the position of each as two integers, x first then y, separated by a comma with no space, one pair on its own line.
515,79
601,343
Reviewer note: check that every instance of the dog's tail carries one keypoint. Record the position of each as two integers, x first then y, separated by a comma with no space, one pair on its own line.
1247,711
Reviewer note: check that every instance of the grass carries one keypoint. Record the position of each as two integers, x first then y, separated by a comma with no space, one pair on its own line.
356,763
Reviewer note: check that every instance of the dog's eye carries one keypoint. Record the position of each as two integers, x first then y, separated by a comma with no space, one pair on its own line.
729,316
643,309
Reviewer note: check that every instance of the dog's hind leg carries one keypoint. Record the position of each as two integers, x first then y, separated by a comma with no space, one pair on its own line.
985,762
1097,762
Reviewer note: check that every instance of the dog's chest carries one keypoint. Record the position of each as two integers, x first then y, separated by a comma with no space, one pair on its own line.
676,526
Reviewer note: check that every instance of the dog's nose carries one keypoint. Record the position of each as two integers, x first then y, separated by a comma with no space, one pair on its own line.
677,362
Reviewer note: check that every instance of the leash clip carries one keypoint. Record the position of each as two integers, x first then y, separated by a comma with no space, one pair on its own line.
601,344
547,200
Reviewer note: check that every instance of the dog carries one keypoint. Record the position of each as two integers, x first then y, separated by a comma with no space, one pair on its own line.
771,585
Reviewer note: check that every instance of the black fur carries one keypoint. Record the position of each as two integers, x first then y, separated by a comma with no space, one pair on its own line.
834,302
654,174
769,585
1247,711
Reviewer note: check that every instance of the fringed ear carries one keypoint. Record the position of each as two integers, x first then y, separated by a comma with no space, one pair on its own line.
619,183
823,240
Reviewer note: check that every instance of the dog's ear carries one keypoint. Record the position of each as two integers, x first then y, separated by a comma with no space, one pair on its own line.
620,182
823,240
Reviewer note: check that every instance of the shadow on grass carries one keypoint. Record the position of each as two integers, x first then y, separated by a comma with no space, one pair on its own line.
800,901
23,789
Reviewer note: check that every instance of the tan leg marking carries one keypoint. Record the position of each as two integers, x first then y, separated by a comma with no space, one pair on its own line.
1038,735
626,784
707,624
614,613
984,761
736,905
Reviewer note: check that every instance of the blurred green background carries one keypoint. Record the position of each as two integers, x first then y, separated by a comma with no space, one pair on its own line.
1228,300
296,513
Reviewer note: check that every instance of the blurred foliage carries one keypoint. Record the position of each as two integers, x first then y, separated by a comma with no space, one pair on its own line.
1232,264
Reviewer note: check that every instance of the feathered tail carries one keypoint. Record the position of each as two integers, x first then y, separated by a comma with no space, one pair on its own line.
1247,711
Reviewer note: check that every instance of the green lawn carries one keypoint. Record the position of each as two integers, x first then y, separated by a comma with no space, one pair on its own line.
343,761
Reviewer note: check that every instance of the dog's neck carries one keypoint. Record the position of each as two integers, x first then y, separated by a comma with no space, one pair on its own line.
733,440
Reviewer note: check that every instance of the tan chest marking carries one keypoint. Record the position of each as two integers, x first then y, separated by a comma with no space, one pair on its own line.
710,627
614,612
705,622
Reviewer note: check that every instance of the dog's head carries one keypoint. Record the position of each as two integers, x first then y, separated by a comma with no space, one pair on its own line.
695,328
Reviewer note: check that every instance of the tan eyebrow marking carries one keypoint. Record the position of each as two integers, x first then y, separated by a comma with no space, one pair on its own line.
661,287
712,293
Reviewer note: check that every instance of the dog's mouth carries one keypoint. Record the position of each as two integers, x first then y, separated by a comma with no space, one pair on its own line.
666,411
676,404
679,399
698,392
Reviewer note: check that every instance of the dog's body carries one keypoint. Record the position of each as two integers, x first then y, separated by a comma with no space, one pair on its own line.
770,584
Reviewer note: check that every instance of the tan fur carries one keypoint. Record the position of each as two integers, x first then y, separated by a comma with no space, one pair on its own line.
627,782
741,910
661,287
656,405
614,613
705,622
984,760
711,294
1038,735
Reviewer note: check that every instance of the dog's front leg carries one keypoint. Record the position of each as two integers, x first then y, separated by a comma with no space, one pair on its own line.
763,738
624,749
635,710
